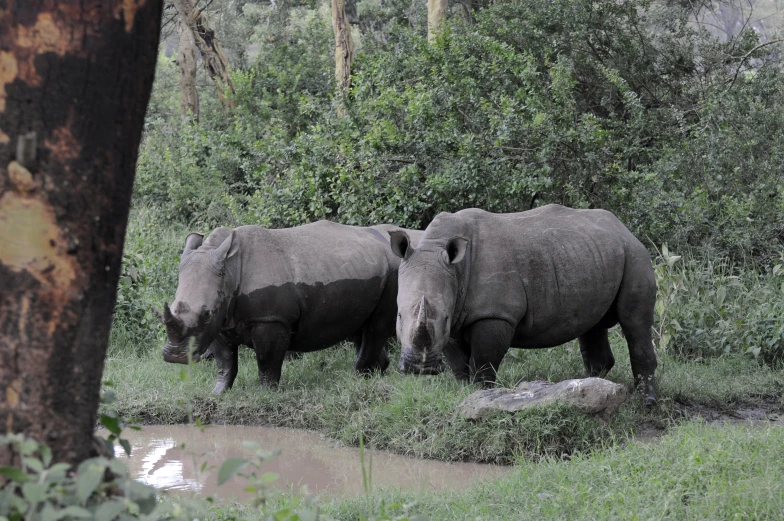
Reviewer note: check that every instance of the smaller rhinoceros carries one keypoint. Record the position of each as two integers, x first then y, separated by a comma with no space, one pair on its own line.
297,289
479,283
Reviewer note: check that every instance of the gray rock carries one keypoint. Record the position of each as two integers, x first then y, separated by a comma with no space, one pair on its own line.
594,396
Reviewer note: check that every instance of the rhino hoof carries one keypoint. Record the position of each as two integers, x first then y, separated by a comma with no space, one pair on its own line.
220,388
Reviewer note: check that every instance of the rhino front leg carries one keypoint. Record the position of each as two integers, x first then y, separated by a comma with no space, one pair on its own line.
489,341
271,340
458,356
226,362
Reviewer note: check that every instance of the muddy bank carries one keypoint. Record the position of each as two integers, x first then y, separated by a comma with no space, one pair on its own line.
760,414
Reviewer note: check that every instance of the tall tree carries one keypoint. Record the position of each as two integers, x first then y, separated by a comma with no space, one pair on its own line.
344,46
212,55
186,58
436,13
75,79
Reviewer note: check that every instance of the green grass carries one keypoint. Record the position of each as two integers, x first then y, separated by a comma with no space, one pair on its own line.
696,471
416,415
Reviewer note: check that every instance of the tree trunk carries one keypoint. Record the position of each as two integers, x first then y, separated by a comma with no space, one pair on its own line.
189,96
75,79
212,54
344,48
436,13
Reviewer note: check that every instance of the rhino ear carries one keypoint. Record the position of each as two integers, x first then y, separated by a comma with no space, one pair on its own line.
401,244
192,242
228,248
456,248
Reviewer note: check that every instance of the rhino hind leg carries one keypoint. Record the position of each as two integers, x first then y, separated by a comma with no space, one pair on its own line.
371,340
372,351
356,339
597,354
635,307
271,341
489,340
643,361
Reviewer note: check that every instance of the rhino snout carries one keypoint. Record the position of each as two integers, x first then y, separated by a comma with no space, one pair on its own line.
178,355
421,362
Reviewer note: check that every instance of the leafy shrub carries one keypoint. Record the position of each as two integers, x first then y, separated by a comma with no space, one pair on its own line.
40,489
620,105
707,308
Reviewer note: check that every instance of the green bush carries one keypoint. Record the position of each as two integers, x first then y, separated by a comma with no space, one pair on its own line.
40,489
707,308
620,105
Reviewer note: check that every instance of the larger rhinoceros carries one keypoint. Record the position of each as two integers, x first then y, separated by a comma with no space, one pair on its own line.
297,289
528,280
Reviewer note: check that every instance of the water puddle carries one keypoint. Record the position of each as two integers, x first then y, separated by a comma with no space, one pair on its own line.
158,458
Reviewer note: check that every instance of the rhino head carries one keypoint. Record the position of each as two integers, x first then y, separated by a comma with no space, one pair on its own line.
203,296
426,299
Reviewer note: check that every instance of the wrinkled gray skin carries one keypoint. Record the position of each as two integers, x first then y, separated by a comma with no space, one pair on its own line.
298,289
479,283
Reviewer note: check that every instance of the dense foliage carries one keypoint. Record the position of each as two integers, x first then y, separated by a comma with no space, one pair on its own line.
620,105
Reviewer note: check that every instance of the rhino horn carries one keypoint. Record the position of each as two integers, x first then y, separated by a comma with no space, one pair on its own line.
422,316
157,314
174,324
168,316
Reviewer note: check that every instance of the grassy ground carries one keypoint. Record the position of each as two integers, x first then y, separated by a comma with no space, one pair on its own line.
416,415
696,471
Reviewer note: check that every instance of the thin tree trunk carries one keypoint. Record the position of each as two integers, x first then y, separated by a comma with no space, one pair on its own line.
436,13
75,79
212,54
189,96
344,48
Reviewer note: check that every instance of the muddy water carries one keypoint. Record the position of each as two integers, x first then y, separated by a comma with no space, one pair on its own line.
171,457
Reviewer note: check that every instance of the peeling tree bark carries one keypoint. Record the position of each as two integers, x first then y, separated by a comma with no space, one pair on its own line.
75,79
212,54
436,14
344,47
189,96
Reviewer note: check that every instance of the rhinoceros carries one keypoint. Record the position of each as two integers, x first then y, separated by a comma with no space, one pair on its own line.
298,289
479,283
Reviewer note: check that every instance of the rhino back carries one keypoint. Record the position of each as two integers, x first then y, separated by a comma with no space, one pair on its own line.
322,279
552,271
